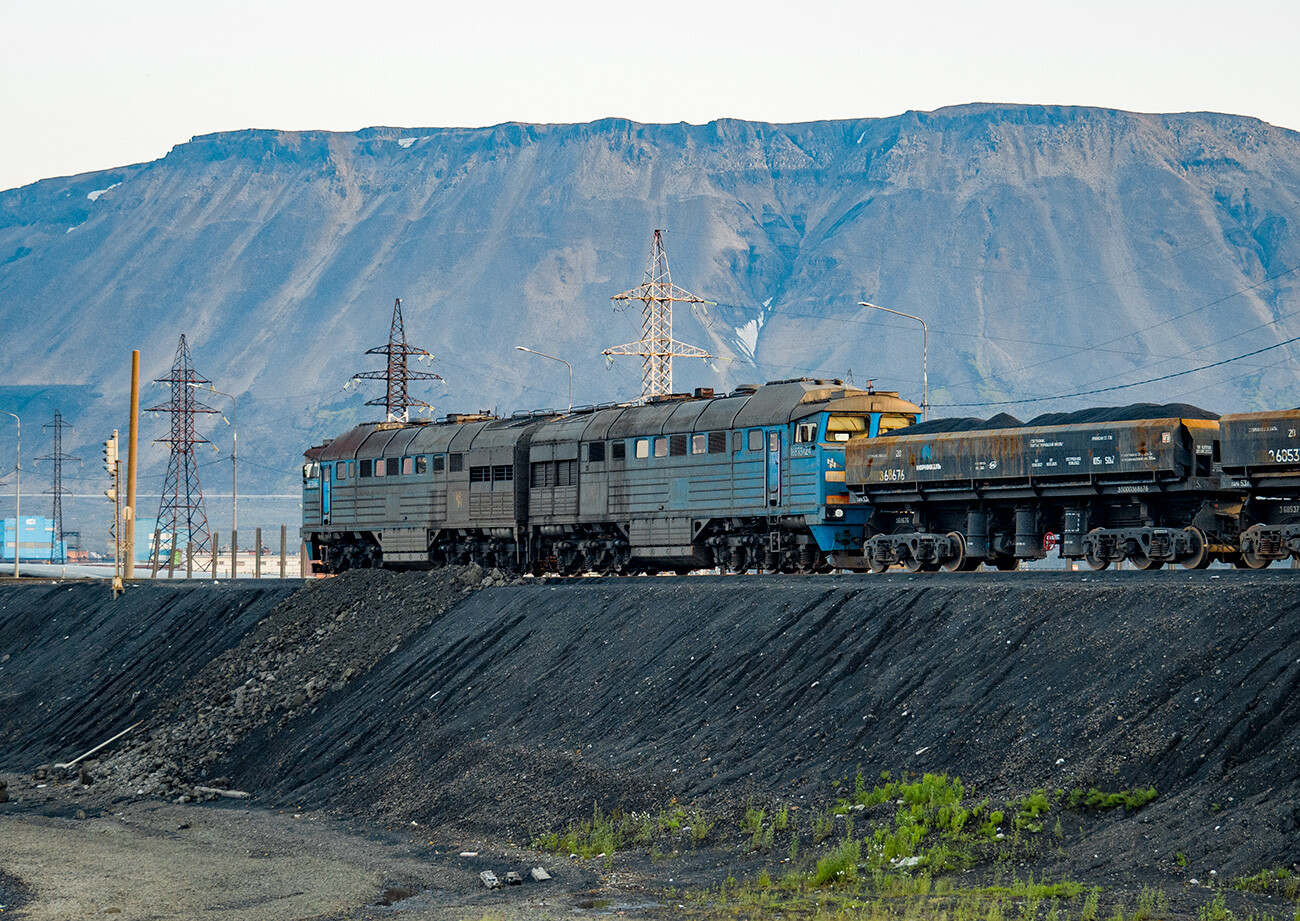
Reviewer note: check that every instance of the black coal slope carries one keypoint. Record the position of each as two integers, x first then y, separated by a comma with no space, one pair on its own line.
517,707
539,699
79,665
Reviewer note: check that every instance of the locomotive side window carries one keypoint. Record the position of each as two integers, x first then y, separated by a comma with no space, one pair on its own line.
566,473
380,467
676,445
455,463
643,447
394,464
661,446
618,450
846,428
756,439
699,443
365,468
352,469
594,452
503,473
737,442
408,465
340,471
421,465
805,432
717,442
892,421
439,462
480,474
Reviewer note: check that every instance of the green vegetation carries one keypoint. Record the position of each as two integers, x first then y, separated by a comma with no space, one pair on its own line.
605,834
1097,801
1278,881
915,848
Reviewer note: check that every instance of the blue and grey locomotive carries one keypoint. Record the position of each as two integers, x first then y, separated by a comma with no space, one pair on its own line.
754,479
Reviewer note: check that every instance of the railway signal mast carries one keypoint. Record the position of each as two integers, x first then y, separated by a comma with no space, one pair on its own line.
657,347
397,401
114,468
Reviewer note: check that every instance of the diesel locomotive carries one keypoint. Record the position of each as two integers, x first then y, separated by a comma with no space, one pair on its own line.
753,479
803,476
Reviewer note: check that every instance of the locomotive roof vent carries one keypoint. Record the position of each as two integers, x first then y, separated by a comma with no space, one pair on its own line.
832,382
669,398
704,393
744,388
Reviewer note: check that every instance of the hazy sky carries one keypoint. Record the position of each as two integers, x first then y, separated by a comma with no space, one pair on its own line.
89,84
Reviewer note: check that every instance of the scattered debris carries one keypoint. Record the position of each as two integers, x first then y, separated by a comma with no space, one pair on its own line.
513,879
539,874
489,879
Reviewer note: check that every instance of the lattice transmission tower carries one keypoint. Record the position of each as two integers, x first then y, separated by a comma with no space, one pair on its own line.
657,346
58,553
397,401
181,512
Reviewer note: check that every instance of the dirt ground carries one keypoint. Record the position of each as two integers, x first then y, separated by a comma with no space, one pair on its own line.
147,859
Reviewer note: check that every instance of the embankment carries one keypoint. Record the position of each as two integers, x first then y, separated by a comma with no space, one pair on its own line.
412,696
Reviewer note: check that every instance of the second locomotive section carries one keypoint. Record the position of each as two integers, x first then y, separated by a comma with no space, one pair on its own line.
751,480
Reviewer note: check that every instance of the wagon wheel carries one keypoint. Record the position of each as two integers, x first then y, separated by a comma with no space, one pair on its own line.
876,566
957,562
1095,563
912,564
1252,560
1200,557
1141,561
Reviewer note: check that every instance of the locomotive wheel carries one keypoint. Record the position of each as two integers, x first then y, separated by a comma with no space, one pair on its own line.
1200,557
956,563
1144,562
1006,563
1251,560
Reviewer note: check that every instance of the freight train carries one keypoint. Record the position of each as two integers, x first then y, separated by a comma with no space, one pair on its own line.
804,476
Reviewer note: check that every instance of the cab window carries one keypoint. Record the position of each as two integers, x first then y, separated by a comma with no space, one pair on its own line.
805,432
846,428
890,422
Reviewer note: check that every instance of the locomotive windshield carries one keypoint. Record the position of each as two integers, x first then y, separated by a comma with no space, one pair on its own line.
848,428
845,428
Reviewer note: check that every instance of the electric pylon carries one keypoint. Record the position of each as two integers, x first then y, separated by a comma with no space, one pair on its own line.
657,345
397,401
181,512
58,554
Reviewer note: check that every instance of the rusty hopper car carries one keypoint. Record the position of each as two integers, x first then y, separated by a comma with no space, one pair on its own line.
1261,458
1143,490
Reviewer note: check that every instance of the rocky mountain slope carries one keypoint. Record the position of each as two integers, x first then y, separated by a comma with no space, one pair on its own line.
1048,248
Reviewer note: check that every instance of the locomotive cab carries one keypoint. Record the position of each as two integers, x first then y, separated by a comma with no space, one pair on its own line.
817,456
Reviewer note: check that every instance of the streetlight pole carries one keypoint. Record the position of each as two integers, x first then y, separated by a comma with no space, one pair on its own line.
234,452
553,358
18,489
925,354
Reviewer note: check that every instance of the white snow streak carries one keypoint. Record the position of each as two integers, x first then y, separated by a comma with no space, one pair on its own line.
94,196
